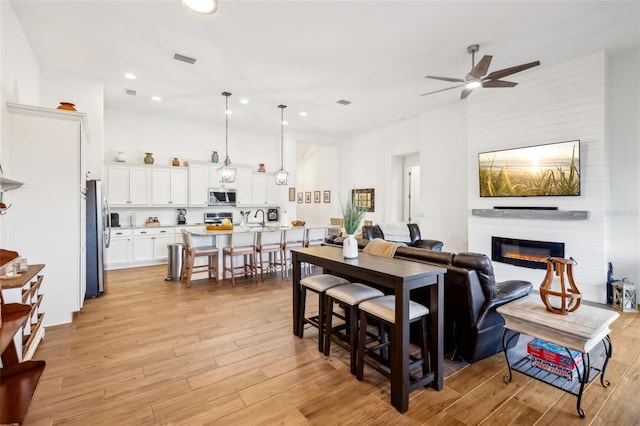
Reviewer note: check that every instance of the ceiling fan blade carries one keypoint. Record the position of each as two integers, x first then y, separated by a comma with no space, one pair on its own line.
442,90
453,80
508,71
498,83
481,68
465,93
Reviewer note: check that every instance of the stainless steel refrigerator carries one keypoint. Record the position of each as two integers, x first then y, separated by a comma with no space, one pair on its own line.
98,238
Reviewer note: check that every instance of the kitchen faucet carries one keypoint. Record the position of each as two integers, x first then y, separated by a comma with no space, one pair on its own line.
256,215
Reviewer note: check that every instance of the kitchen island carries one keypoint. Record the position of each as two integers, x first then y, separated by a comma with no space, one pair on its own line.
221,238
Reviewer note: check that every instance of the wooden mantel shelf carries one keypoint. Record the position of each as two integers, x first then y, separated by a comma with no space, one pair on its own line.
532,214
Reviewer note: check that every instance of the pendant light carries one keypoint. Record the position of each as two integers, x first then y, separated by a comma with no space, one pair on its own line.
226,173
282,177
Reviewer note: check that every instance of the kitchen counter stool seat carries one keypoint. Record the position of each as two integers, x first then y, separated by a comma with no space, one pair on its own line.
241,244
269,244
189,258
350,296
382,309
318,284
291,238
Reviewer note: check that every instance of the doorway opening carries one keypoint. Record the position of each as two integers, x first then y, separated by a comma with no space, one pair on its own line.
411,212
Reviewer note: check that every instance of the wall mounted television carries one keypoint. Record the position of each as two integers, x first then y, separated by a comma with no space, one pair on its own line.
533,171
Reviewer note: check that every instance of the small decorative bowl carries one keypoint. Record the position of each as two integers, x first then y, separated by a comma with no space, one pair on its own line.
68,106
298,222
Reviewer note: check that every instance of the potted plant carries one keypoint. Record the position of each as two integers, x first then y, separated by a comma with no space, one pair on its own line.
352,215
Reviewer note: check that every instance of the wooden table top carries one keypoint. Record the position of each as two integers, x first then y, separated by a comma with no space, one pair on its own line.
579,330
21,279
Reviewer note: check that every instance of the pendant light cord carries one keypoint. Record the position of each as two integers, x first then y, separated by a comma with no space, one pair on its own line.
226,127
282,107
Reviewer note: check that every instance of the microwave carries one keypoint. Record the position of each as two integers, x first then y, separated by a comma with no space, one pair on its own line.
221,197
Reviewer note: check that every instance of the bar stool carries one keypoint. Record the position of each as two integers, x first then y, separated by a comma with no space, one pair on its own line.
269,244
314,237
318,284
382,309
191,252
291,238
349,295
242,244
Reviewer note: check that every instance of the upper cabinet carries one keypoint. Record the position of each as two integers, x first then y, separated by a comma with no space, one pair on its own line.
264,189
129,185
169,187
201,178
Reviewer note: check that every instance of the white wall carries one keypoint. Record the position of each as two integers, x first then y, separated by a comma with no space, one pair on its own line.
623,210
317,170
443,174
550,104
87,95
19,83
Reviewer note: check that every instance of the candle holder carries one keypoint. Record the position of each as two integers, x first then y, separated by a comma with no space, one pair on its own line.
569,297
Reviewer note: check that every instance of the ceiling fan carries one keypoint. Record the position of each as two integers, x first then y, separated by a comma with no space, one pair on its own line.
477,76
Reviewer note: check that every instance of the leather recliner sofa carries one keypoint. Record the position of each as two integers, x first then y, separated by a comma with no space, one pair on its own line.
473,328
374,231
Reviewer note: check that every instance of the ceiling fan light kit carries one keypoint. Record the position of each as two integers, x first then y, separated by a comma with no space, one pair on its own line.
478,75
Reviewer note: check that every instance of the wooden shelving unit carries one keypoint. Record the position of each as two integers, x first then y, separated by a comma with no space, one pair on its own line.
18,380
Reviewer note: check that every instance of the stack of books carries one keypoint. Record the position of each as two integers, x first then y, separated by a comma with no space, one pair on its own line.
554,358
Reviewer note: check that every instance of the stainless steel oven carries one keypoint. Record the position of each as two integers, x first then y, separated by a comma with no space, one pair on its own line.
216,218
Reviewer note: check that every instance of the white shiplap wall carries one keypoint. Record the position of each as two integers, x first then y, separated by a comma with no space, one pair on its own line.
554,104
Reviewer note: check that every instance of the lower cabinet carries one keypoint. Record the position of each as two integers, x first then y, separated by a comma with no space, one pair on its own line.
150,244
120,250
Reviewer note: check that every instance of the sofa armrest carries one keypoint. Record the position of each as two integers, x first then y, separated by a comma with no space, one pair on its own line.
434,245
506,291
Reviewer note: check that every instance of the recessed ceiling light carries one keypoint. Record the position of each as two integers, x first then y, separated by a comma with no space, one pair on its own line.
244,101
156,98
130,76
284,123
205,7
228,112
303,114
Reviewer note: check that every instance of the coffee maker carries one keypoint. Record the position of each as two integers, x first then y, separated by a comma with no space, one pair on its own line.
114,220
182,216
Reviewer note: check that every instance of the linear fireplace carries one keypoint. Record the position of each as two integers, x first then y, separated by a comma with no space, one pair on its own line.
525,253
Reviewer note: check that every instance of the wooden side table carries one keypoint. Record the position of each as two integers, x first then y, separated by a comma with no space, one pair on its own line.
582,331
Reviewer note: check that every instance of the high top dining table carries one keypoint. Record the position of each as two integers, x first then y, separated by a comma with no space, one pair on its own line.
401,276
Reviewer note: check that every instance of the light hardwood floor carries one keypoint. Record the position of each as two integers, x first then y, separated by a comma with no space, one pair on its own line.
154,352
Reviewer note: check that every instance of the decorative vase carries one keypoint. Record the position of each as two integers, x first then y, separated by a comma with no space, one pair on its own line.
214,157
261,168
350,247
554,292
175,162
120,157
148,159
67,106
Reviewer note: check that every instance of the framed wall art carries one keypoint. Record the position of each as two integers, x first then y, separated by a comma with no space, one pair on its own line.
292,194
326,196
364,197
307,197
316,196
299,197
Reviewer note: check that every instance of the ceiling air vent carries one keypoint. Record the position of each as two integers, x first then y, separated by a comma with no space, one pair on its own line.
129,92
179,57
343,102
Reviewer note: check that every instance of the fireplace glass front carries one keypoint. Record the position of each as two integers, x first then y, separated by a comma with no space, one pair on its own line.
524,253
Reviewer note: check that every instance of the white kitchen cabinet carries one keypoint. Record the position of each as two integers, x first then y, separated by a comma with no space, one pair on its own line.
264,189
45,149
244,185
120,250
160,242
169,187
129,185
150,244
201,178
